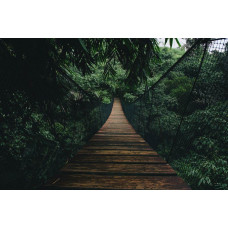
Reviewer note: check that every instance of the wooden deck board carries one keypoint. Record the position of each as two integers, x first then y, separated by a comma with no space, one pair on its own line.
91,181
118,147
118,152
116,157
130,168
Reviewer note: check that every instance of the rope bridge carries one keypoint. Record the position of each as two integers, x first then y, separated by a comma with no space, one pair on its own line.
183,116
116,158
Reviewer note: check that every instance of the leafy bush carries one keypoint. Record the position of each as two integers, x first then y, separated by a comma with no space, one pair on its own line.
32,149
195,141
203,173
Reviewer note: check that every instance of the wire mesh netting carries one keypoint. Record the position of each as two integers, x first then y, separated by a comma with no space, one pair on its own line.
184,116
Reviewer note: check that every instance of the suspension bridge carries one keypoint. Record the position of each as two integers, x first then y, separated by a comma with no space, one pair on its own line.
116,157
181,114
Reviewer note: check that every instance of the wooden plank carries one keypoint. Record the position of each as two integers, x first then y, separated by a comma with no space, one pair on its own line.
116,143
117,152
117,138
117,159
84,181
116,132
155,169
118,147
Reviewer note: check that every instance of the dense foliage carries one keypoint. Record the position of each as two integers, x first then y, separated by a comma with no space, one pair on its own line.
34,146
55,93
198,150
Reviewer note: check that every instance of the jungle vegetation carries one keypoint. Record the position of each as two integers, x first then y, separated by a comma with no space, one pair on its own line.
198,151
56,93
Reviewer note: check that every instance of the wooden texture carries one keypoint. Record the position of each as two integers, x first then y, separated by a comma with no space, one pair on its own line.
116,157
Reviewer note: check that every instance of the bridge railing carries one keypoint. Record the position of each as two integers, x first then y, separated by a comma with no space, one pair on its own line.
184,115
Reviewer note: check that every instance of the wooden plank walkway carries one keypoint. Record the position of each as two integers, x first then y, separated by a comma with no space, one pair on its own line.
116,157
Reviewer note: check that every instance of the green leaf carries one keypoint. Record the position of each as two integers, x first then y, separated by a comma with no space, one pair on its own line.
83,44
171,42
178,42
